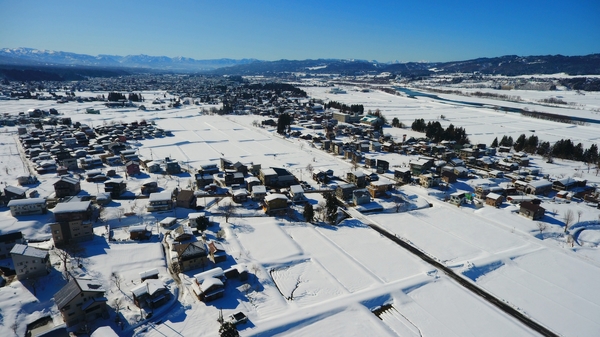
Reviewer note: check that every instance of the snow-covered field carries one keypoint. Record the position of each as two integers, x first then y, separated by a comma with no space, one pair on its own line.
308,280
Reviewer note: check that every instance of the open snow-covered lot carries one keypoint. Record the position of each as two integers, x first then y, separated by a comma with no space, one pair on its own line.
307,279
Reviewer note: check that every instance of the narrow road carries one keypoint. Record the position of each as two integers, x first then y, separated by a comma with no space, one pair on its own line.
542,330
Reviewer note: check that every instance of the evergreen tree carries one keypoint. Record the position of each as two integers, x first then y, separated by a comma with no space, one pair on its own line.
228,329
330,207
309,212
520,143
494,142
283,123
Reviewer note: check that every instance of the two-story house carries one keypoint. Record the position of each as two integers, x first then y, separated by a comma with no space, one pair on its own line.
160,201
192,255
29,206
66,186
80,301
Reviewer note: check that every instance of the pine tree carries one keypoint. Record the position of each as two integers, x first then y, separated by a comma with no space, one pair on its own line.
331,207
495,142
309,212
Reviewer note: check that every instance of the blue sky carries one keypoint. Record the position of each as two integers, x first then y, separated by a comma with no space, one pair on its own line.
288,29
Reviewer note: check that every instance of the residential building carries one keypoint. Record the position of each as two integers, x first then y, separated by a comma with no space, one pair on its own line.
116,187
30,262
297,193
532,210
361,196
73,222
81,301
275,202
191,255
186,199
216,252
359,178
66,186
152,293
30,206
344,191
538,187
494,199
160,201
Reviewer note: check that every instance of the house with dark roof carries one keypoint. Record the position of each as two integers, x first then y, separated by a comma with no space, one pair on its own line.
132,167
8,241
116,187
191,255
186,199
66,186
532,210
216,252
81,301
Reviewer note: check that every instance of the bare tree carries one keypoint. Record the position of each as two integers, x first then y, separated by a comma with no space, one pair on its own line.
117,304
568,218
579,214
228,210
398,203
69,251
120,213
310,168
116,279
542,227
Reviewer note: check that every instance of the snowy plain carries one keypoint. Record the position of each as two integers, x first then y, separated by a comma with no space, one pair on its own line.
309,280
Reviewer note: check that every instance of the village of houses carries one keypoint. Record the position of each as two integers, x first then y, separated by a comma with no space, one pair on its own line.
108,189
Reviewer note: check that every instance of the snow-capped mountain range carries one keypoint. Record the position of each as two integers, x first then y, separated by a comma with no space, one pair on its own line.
49,57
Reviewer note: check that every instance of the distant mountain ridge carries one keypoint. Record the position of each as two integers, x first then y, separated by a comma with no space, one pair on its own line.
510,65
30,56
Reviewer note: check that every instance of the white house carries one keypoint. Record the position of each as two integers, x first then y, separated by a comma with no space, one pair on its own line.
27,206
297,193
30,261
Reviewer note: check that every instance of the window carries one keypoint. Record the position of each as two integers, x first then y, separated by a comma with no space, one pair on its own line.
56,232
67,307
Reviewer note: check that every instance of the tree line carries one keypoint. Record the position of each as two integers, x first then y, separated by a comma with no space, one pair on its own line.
564,148
436,132
357,108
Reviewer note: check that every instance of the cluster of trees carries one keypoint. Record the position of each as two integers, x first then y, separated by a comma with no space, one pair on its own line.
135,97
283,123
115,96
359,108
581,83
396,123
436,132
564,148
523,143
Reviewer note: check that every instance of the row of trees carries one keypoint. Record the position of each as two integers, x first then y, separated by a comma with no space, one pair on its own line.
564,148
357,108
116,96
436,132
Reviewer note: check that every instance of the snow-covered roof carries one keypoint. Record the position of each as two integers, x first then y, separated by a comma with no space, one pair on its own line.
72,206
210,282
259,189
296,189
137,228
30,201
215,272
275,196
148,273
160,196
25,250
